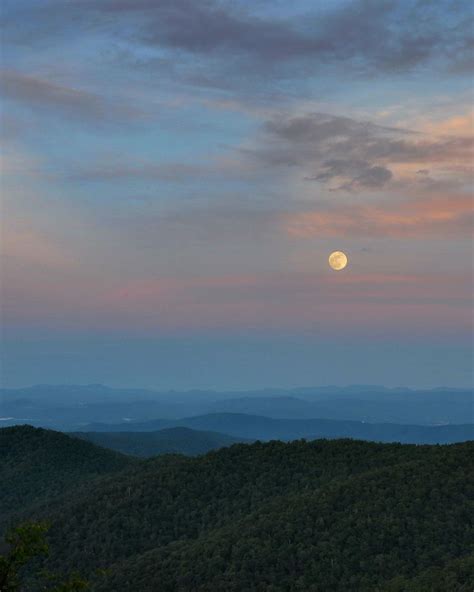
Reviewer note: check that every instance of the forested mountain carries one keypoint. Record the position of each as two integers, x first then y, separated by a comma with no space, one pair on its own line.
454,576
356,533
326,516
172,440
38,464
242,426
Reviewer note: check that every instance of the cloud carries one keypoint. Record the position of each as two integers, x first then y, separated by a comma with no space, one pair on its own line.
67,101
176,172
459,125
217,169
384,34
346,154
361,173
216,226
438,217
228,44
204,27
371,176
18,162
327,303
339,153
27,247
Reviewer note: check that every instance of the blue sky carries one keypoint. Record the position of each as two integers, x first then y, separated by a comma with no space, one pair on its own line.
175,174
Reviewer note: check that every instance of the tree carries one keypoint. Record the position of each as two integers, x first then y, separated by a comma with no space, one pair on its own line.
25,543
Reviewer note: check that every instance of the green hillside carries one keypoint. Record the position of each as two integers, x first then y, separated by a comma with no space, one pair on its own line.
177,440
38,464
171,498
454,576
356,533
325,516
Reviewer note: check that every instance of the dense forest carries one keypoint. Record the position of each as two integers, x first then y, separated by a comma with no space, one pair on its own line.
38,464
319,516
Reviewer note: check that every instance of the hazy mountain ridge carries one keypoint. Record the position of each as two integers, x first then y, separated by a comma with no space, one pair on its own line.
252,427
72,407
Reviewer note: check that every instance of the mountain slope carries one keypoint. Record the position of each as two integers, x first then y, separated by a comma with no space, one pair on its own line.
456,575
171,440
355,533
253,508
38,464
319,516
171,498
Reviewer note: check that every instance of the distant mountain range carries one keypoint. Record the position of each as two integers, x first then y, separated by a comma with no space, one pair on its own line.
252,427
71,407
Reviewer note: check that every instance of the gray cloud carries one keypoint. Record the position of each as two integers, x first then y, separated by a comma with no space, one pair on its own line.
317,127
220,43
350,153
173,172
337,148
204,27
69,102
361,174
386,34
374,176
339,152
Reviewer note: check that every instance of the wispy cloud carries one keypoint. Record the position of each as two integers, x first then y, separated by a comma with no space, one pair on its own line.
383,34
328,304
26,246
115,171
438,217
218,41
63,100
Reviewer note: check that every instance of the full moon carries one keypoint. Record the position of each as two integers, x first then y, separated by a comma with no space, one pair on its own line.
337,260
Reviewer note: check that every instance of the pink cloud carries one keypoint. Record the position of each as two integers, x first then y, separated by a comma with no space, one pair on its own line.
459,124
416,218
27,246
327,303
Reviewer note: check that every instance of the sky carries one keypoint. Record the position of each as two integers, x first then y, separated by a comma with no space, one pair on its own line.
175,174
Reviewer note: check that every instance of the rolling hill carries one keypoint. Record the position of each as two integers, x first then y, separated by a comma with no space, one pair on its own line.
38,464
355,533
178,440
